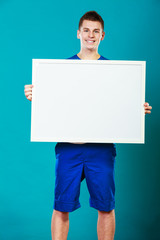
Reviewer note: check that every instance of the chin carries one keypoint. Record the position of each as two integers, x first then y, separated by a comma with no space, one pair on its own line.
91,47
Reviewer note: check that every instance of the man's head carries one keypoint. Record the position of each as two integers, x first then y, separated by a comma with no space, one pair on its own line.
92,16
91,30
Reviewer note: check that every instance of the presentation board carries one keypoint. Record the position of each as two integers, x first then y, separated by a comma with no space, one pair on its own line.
88,101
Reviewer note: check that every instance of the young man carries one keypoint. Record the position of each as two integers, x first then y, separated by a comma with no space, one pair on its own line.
93,161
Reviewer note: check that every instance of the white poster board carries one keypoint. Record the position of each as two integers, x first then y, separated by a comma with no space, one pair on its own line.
88,101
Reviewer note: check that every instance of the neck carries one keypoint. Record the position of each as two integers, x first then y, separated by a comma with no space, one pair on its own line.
88,54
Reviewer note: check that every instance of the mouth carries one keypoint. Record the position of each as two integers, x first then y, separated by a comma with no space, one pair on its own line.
90,41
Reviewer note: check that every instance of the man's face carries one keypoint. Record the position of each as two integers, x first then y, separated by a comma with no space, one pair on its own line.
90,34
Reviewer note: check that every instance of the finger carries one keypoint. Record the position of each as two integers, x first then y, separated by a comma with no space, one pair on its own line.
147,112
28,95
28,90
148,108
146,104
29,98
28,86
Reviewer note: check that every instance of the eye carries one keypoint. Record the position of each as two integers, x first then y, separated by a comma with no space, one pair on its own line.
86,30
96,31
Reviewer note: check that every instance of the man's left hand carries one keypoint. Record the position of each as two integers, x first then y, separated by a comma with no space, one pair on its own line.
147,108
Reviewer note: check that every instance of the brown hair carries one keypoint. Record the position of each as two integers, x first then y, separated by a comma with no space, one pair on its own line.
92,16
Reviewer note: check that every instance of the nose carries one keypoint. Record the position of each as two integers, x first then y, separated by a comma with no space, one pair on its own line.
91,34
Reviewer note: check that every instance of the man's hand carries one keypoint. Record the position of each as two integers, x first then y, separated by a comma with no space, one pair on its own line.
147,108
28,91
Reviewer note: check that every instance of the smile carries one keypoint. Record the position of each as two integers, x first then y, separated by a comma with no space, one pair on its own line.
90,41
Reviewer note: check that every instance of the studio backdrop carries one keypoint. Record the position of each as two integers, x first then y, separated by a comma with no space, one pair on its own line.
48,30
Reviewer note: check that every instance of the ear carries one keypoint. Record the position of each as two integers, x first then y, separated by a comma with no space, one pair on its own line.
103,34
78,34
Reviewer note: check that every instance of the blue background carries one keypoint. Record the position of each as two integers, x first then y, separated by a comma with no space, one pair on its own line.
47,29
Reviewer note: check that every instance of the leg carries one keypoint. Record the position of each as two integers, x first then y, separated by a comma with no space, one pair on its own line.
60,225
106,225
68,172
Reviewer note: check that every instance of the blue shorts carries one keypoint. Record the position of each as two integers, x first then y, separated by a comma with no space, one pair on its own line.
93,161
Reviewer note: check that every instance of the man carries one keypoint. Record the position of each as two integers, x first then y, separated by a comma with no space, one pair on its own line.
93,161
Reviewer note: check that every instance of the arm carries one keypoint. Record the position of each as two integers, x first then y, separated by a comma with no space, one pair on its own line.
28,91
147,108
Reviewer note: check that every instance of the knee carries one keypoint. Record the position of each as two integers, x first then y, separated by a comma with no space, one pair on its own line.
106,214
62,215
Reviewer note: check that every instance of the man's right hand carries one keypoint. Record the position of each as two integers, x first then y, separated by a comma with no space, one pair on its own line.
28,91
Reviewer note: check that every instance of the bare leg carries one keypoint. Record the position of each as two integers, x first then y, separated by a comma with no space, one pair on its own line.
60,225
106,225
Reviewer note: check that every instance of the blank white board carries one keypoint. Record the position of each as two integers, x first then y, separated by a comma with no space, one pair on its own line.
88,101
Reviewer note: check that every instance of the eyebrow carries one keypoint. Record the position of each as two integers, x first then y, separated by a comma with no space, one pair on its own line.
93,29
